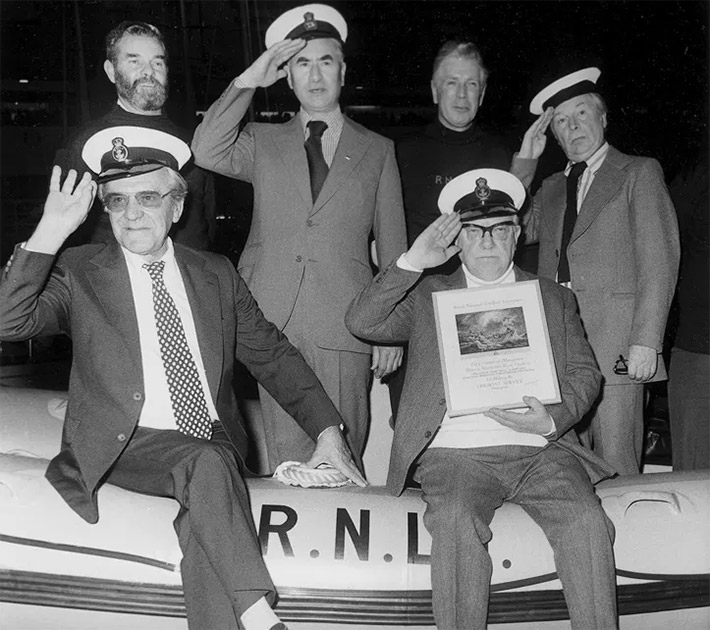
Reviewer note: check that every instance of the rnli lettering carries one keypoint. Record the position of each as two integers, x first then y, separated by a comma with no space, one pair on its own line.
360,538
266,527
354,532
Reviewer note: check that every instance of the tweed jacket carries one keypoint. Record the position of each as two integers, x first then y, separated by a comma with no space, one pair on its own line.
623,255
398,306
317,253
87,295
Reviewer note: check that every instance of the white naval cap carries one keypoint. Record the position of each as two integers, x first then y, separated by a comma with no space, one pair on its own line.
127,151
580,82
482,193
310,21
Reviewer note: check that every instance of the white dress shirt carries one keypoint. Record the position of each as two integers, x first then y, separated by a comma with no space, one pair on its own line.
157,409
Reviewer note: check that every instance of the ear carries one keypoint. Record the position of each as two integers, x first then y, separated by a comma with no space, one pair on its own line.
604,120
289,80
342,73
110,71
434,93
483,93
177,212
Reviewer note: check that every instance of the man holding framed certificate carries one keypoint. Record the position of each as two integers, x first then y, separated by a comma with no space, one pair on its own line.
491,328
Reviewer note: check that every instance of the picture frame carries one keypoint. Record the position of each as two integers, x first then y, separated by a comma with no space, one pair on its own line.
494,347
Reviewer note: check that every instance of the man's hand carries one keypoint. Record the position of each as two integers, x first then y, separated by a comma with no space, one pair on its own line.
534,140
386,359
65,209
268,68
534,420
433,246
643,362
332,449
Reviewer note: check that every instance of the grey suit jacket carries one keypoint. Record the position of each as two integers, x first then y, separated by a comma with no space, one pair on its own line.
317,252
397,306
623,254
87,295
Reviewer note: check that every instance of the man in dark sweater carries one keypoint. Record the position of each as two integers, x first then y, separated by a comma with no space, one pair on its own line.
137,64
454,144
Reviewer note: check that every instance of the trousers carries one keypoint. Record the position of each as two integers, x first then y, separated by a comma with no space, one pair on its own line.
222,569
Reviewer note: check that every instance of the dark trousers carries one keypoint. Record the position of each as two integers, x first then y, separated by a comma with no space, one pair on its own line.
223,572
463,488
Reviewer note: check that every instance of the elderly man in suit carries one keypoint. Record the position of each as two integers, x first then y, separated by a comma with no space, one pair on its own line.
322,186
468,465
608,230
156,328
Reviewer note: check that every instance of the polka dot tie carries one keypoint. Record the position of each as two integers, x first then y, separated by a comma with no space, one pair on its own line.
186,394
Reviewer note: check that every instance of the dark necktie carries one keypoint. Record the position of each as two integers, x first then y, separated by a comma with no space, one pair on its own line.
570,218
317,166
186,394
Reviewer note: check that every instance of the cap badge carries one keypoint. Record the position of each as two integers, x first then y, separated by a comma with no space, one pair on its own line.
119,151
309,21
482,191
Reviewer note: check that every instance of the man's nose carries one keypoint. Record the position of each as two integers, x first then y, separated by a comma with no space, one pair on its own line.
487,240
316,73
133,209
461,90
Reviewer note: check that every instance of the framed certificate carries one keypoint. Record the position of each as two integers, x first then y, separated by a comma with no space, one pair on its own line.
494,347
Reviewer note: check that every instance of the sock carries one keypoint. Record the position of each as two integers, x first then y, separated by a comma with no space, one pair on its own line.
259,616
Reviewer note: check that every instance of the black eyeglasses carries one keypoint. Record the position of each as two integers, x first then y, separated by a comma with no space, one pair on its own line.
118,202
621,366
499,231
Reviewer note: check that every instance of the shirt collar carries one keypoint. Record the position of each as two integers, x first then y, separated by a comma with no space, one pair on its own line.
333,119
594,162
471,280
136,261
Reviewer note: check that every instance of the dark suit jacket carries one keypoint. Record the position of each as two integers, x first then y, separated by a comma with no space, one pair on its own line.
623,255
88,296
392,309
317,253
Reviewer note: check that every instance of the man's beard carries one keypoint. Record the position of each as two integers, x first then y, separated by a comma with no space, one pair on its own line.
146,94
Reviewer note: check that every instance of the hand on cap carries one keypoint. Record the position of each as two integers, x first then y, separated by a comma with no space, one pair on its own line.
433,246
332,449
268,68
65,209
535,420
534,140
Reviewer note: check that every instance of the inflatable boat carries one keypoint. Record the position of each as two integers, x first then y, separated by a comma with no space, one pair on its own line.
346,558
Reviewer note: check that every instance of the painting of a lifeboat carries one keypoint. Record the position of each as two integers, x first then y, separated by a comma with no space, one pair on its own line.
345,558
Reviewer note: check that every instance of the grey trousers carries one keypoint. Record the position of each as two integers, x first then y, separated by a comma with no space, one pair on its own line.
223,572
463,488
615,430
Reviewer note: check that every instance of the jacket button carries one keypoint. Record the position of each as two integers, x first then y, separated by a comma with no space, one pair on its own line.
299,258
121,437
137,396
442,401
309,223
557,253
427,434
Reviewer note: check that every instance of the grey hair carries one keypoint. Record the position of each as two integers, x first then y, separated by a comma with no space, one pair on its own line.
131,27
459,48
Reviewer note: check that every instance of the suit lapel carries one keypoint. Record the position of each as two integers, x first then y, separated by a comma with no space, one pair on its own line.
112,286
351,148
289,145
607,181
203,294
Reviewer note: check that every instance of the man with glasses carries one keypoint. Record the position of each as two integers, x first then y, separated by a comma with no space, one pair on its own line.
469,465
156,328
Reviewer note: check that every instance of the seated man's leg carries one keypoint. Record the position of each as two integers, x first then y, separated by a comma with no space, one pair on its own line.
558,495
222,569
461,495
